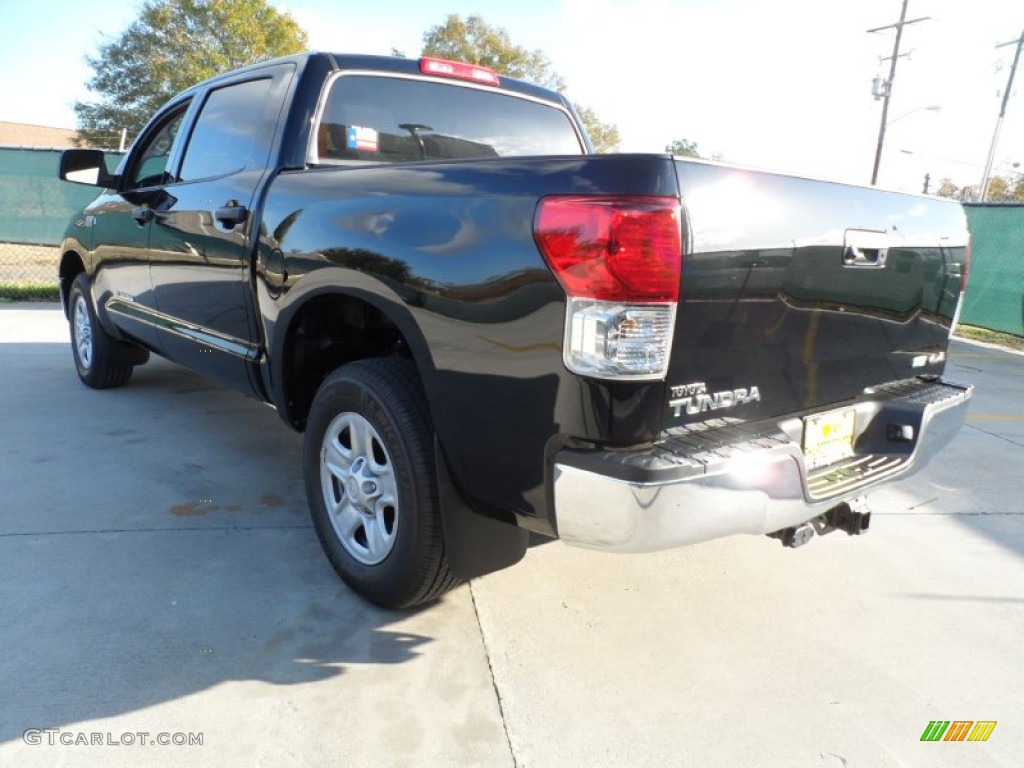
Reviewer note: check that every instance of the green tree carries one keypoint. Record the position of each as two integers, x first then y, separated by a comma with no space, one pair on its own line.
947,188
604,136
1003,189
475,41
683,148
173,45
998,190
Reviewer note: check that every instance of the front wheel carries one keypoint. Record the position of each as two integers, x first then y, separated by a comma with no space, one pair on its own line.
101,360
368,460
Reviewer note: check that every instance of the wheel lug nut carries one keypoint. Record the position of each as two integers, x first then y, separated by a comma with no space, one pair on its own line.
369,487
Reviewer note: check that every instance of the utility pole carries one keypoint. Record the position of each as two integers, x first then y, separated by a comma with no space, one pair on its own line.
1019,42
887,85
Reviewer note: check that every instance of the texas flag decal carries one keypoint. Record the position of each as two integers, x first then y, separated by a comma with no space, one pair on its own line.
362,138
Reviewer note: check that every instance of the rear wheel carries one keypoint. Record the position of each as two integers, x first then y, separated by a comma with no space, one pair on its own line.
370,478
101,360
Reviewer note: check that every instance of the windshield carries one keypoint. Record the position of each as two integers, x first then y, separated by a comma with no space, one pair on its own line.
388,119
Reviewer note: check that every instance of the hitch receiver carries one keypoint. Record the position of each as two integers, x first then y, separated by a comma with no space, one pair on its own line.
852,516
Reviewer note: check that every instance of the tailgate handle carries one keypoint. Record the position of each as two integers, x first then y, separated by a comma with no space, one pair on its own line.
865,248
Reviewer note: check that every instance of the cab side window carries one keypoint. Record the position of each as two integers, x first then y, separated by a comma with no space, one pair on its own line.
232,131
150,166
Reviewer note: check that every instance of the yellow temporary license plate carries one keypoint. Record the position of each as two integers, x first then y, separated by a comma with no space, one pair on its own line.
828,437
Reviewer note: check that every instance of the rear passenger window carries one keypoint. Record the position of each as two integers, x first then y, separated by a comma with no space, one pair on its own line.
231,133
387,119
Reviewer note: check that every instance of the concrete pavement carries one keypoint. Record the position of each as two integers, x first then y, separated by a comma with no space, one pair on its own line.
158,574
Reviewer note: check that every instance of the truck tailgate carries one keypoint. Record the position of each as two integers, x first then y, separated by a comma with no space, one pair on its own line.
798,294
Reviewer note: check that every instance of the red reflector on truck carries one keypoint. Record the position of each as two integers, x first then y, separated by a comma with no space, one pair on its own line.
612,248
458,69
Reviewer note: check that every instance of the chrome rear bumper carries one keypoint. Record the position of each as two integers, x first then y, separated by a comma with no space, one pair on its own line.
726,478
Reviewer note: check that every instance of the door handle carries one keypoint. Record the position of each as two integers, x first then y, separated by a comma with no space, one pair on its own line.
864,257
142,215
231,215
865,248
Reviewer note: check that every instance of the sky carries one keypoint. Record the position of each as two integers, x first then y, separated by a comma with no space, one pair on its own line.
783,85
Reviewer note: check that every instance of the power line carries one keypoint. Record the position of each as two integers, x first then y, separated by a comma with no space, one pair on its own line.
898,26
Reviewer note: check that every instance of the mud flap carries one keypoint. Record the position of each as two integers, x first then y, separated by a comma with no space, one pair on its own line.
476,544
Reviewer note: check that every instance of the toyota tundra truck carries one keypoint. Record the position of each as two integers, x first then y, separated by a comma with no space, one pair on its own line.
486,331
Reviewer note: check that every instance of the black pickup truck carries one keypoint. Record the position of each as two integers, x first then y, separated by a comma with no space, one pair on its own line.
486,330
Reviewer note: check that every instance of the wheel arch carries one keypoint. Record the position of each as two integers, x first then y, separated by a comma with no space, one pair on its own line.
477,543
71,265
331,326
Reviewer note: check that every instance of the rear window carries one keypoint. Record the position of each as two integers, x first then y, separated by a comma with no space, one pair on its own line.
392,120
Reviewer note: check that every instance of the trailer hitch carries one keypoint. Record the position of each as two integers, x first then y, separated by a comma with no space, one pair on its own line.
852,516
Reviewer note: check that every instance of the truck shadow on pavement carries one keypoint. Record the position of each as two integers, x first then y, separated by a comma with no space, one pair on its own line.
139,564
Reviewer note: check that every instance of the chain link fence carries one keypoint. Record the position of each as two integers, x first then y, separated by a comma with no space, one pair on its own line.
23,263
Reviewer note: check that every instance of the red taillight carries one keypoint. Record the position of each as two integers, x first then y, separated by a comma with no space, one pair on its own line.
458,69
613,248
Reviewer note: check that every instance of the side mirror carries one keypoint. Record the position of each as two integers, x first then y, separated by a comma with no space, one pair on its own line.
86,166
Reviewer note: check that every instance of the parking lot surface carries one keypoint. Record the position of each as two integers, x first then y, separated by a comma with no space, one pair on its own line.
159,576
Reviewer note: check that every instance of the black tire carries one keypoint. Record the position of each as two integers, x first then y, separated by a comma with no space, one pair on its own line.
377,470
101,360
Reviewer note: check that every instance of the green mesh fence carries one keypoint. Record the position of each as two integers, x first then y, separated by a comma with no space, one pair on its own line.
35,205
35,208
995,292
